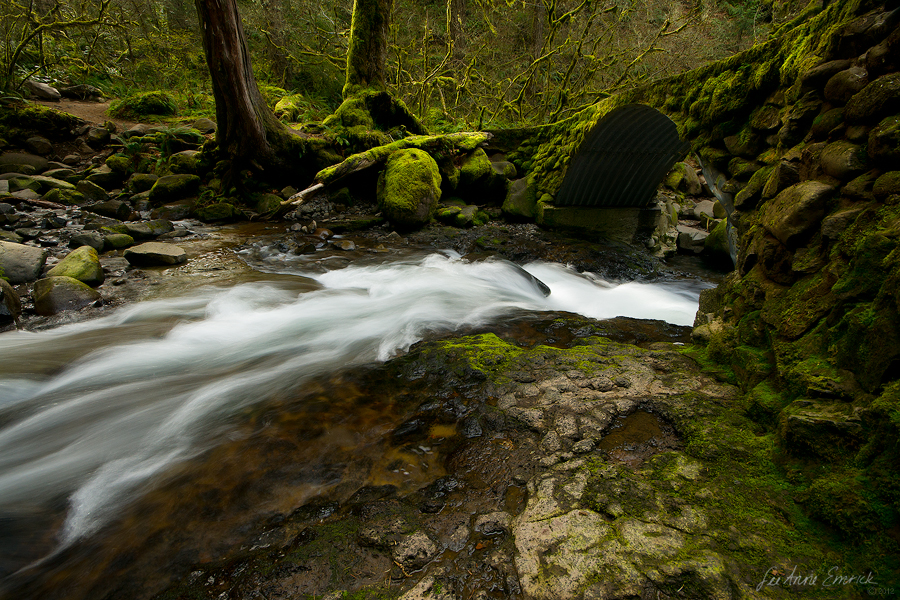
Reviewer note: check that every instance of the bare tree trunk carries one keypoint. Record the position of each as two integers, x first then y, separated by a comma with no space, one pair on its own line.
367,51
248,132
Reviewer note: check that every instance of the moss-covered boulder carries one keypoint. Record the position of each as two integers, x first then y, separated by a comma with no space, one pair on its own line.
877,100
145,104
117,241
186,161
82,264
141,182
409,188
268,204
521,203
61,196
53,295
171,188
792,215
219,211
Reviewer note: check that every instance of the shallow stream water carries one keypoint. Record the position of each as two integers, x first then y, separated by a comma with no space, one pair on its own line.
249,386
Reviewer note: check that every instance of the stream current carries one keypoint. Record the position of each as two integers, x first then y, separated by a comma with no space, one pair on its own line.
96,415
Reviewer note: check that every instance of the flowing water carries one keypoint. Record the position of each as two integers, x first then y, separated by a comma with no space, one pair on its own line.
96,415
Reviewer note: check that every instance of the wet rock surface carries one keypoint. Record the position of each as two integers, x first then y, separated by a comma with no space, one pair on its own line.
584,469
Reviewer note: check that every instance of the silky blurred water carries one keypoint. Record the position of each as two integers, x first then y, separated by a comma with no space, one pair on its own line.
92,413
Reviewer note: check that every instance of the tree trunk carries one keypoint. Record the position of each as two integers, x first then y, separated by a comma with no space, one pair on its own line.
248,133
367,51
456,10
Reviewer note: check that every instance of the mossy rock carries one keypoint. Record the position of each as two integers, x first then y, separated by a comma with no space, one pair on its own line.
716,248
117,241
53,295
119,163
847,500
409,188
171,188
82,264
19,118
220,211
184,162
145,104
884,142
141,182
521,202
268,203
887,185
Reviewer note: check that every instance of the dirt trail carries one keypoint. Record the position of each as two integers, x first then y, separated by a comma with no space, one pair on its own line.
92,112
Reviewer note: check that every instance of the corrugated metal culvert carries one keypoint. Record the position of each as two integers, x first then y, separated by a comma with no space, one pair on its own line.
623,159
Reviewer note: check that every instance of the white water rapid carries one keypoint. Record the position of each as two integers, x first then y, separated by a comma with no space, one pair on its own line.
93,412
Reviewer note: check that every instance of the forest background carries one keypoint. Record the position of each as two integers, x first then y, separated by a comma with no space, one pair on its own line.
458,64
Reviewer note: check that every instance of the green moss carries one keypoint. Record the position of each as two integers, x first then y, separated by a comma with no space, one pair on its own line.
847,501
765,402
409,188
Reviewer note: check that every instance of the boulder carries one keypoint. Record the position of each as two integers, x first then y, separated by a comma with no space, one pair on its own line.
141,182
106,178
155,254
843,160
39,145
823,428
142,230
884,142
97,136
268,203
20,263
879,99
171,188
845,84
20,162
117,241
10,303
119,163
521,203
60,173
220,211
683,178
41,91
691,239
53,295
82,264
185,161
82,91
91,191
794,213
114,209
409,188
87,238
886,185
204,126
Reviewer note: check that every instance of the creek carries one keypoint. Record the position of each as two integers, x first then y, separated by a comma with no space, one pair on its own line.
99,416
